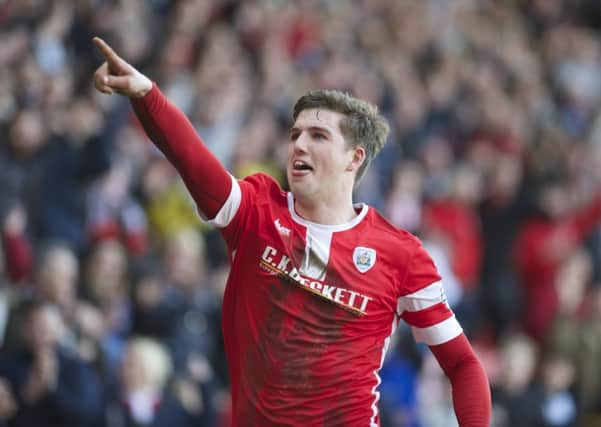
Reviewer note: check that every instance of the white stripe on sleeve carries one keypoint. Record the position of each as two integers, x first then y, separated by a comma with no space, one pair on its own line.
422,299
229,209
439,333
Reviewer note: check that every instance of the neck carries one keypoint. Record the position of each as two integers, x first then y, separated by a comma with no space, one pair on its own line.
332,213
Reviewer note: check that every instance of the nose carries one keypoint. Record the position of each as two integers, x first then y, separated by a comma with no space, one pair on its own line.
300,144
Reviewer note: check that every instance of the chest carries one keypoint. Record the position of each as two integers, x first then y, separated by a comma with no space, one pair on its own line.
351,270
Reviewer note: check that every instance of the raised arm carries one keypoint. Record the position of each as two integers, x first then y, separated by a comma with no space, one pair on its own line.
206,179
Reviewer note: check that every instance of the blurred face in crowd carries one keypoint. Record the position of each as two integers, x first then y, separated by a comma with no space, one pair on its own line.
519,360
554,201
133,373
42,328
467,185
106,271
85,120
58,278
185,258
146,366
558,373
320,164
27,133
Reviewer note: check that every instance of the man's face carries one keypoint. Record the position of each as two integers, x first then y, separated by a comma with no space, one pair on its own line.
319,162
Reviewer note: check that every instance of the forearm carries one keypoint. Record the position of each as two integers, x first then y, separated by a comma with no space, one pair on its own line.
471,392
206,179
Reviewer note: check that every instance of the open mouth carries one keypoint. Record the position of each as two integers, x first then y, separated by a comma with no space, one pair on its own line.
299,165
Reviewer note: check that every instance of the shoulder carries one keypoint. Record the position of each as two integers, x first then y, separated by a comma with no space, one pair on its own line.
396,237
399,251
414,263
262,183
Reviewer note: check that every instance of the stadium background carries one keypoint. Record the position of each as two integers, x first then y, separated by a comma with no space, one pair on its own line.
494,160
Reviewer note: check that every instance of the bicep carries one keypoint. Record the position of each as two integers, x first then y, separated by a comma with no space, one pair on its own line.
423,303
426,311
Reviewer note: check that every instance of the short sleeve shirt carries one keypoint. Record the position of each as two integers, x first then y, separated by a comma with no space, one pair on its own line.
309,309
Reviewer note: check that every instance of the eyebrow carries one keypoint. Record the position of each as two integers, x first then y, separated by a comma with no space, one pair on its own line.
311,129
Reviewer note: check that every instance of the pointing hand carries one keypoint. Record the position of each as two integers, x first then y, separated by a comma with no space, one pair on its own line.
116,75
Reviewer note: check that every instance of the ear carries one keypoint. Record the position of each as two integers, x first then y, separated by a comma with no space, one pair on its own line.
357,159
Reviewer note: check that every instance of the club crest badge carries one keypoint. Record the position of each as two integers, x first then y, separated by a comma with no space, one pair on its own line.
364,258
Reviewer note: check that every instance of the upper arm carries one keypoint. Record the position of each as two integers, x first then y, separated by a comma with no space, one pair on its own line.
423,303
207,180
235,215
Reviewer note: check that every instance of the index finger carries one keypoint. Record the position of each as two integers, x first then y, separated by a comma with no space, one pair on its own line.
116,63
104,48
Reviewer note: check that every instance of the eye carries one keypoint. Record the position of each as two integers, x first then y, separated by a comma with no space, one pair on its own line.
318,136
293,136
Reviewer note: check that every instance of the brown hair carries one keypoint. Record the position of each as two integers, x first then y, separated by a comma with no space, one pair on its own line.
361,126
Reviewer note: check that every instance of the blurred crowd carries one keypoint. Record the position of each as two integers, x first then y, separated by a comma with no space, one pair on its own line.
110,286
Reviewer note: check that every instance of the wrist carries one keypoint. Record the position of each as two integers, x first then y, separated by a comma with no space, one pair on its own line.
145,88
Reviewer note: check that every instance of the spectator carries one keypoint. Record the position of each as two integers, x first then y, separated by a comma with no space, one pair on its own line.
517,398
53,387
150,396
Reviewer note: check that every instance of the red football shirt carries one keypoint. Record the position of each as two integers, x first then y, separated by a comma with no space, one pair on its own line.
309,309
